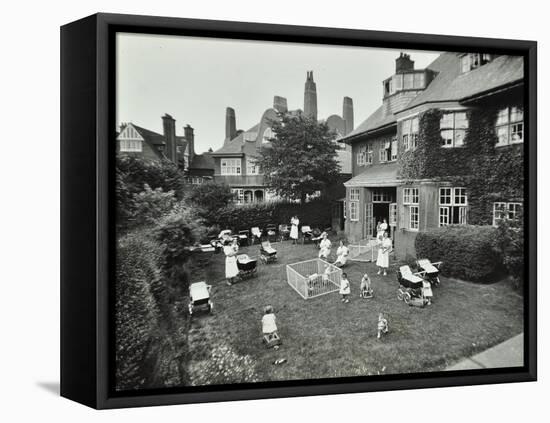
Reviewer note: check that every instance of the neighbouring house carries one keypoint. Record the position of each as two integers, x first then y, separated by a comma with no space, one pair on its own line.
137,141
235,160
444,148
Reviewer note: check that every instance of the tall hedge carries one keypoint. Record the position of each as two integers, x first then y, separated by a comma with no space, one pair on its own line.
316,213
467,251
137,313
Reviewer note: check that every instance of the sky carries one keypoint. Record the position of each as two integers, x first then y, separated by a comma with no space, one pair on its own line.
194,80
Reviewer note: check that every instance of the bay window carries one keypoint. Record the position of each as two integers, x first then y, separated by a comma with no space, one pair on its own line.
230,166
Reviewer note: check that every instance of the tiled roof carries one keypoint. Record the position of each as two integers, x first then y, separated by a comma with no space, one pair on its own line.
452,85
150,136
380,175
235,146
378,119
202,161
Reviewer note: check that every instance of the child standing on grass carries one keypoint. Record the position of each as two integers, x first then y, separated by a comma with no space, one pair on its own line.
345,289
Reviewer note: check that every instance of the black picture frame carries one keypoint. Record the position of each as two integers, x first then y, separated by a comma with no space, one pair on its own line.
87,250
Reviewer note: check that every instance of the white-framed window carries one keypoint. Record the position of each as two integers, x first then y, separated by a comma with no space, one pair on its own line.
394,149
381,196
354,195
230,166
392,221
506,211
387,150
239,195
453,206
345,208
131,146
412,209
414,217
252,167
368,159
362,155
509,126
410,195
354,211
409,133
453,126
268,135
474,60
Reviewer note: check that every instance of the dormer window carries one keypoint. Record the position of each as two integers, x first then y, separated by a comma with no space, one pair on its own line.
412,80
472,61
268,135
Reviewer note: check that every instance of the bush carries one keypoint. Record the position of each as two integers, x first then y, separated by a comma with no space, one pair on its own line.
137,314
316,213
467,251
509,242
150,205
210,197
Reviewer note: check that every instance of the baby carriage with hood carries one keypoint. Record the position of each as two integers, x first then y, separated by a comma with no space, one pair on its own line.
199,297
413,290
268,254
430,270
246,266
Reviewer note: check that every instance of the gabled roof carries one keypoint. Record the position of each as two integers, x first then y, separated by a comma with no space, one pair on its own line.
379,175
452,85
237,145
150,136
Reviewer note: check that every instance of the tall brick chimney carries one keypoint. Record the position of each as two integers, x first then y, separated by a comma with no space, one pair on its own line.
169,130
310,96
404,63
189,134
347,114
279,104
230,124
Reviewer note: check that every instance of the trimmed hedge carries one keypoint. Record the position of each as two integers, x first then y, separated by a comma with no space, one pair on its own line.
316,213
137,312
467,251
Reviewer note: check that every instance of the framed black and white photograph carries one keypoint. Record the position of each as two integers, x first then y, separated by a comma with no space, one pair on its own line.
267,211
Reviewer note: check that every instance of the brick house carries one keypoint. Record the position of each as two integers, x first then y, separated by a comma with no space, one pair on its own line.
445,147
235,160
137,141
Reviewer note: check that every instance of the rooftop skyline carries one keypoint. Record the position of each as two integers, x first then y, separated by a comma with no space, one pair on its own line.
195,79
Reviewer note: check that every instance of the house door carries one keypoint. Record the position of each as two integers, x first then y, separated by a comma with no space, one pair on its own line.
369,221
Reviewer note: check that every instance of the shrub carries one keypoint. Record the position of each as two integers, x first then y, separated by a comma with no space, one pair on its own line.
509,243
210,197
150,205
137,275
467,251
316,213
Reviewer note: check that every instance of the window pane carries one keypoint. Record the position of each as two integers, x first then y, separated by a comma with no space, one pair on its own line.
516,114
465,63
398,82
460,134
461,120
460,196
516,132
418,80
408,79
502,116
406,126
502,135
447,137
446,121
414,124
444,195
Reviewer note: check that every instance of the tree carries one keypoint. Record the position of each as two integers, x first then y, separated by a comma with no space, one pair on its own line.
150,205
210,197
301,158
509,243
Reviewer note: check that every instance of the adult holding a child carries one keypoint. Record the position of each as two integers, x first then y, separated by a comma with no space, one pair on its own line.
230,249
384,249
294,222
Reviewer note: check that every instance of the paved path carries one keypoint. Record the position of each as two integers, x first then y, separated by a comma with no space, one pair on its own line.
507,354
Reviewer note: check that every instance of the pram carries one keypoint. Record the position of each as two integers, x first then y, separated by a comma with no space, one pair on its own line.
316,236
413,289
199,296
246,266
430,270
271,232
307,234
268,254
284,232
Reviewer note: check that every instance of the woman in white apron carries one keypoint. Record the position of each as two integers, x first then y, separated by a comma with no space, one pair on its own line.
384,248
294,222
231,269
342,255
324,246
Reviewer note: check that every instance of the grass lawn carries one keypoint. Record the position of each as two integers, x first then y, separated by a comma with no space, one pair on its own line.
323,337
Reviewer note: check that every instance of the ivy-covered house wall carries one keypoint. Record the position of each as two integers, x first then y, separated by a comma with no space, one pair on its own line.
489,173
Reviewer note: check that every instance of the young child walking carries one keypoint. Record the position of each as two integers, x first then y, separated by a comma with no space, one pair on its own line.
365,288
382,325
345,289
